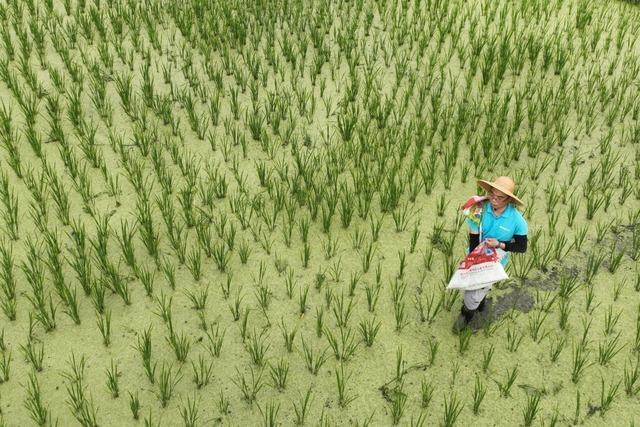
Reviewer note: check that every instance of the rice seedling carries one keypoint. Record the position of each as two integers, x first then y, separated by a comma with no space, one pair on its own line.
270,414
244,251
201,372
194,263
535,325
82,408
403,263
369,330
33,353
514,339
164,310
189,412
344,348
398,289
262,271
631,377
280,264
452,409
319,321
564,311
464,339
198,298
223,404
586,327
244,323
531,408
487,356
427,258
125,240
367,256
38,412
400,367
593,264
375,225
167,382
401,217
215,340
342,311
617,289
601,231
544,301
15,161
479,392
112,380
372,293
148,234
257,347
426,393
400,315
290,284
505,387
433,350
577,413
611,320
98,292
279,374
636,285
313,360
589,300
148,421
606,399
134,405
8,282
144,347
10,214
179,344
45,314
236,306
103,321
249,387
342,379
608,349
397,403
579,362
615,258
567,286
225,286
221,256
147,279
5,367
302,300
302,407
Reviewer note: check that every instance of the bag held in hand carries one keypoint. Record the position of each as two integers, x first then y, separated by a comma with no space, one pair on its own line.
480,268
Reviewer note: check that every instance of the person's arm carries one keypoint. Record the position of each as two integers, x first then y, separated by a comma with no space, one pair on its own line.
519,241
474,240
517,244
474,230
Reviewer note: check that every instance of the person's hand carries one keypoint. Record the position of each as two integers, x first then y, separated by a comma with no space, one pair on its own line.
492,243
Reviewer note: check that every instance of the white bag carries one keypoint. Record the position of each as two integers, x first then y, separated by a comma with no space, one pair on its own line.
477,276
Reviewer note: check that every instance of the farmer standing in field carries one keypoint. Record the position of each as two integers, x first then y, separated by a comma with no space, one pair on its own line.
496,221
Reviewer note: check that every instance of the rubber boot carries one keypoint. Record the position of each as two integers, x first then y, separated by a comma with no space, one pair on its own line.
482,305
484,314
463,320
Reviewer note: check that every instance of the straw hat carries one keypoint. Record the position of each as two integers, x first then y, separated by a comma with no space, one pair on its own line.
502,183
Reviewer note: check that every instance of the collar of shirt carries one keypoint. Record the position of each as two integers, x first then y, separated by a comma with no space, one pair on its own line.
506,211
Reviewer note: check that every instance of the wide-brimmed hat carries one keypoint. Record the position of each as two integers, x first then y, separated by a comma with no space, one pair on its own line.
504,184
